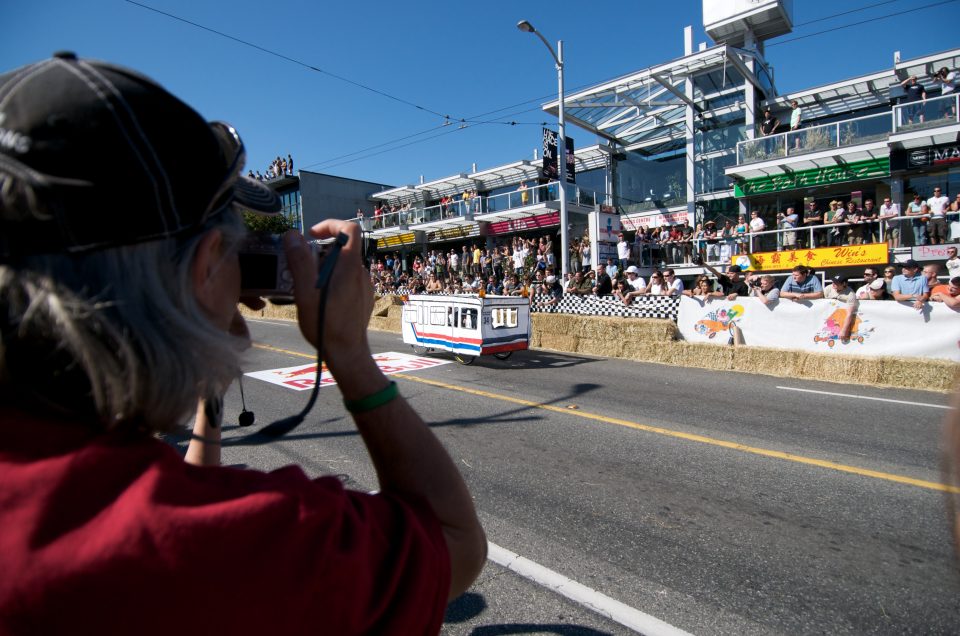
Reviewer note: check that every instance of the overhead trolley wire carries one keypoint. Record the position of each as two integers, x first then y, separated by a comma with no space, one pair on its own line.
867,21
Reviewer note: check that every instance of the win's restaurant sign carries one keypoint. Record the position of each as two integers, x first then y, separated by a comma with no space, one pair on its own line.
856,171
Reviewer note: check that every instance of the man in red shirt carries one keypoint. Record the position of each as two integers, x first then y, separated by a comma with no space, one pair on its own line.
120,227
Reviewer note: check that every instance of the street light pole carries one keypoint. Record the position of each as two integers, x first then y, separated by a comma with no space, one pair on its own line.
526,27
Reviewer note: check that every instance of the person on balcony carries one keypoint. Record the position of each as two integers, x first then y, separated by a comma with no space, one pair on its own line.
915,92
789,221
713,246
948,87
811,217
855,230
741,230
757,224
795,115
937,224
768,127
869,217
890,216
920,211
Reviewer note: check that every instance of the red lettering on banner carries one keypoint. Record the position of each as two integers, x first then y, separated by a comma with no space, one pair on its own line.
810,255
793,257
301,384
775,259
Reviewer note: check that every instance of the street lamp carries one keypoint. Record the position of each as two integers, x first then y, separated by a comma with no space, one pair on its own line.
526,27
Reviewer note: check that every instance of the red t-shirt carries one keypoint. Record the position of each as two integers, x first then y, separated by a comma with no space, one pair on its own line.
115,533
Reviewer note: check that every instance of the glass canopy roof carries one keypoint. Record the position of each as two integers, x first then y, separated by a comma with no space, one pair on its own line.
648,107
867,91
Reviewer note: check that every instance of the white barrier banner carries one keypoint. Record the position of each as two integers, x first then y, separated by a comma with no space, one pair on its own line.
880,328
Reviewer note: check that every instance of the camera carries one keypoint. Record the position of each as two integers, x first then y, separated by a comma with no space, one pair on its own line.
697,259
263,267
755,282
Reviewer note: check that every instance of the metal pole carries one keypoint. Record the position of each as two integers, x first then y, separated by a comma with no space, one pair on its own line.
562,159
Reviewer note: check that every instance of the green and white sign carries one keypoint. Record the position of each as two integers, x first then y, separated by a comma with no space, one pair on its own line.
869,169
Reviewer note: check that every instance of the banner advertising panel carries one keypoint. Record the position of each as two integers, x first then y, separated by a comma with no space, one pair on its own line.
551,171
524,223
817,258
931,252
657,219
880,327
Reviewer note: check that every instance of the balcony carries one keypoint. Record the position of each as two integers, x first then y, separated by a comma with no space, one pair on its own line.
844,142
505,206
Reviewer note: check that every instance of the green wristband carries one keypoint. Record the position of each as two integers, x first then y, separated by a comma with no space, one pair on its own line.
376,400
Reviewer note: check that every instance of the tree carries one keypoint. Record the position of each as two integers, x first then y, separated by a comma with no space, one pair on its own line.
263,224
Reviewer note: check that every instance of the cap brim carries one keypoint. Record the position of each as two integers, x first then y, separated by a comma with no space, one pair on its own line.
253,196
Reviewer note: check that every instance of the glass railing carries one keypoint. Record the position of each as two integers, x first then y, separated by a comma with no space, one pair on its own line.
839,134
479,205
928,113
920,115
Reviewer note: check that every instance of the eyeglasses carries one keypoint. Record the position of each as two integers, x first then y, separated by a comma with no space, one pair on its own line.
237,154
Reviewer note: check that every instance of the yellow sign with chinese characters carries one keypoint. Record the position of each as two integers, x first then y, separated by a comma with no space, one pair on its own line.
818,258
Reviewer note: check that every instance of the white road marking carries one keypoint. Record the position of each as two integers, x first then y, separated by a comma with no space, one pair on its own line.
588,597
866,397
270,322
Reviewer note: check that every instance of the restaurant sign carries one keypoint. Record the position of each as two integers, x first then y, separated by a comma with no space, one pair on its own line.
856,171
818,258
657,219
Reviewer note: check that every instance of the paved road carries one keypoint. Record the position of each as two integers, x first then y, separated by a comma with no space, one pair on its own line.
720,503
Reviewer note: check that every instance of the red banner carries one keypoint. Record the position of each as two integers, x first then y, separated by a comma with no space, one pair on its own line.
525,223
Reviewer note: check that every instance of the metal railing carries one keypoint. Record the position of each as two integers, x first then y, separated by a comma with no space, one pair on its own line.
680,253
919,115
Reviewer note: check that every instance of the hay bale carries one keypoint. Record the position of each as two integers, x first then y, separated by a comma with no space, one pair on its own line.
605,347
382,305
558,342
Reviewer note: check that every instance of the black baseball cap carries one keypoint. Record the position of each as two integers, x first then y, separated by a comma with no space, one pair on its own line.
911,264
840,280
93,155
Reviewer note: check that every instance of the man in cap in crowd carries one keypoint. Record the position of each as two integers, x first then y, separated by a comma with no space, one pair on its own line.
637,284
910,285
553,290
877,290
731,283
840,289
120,228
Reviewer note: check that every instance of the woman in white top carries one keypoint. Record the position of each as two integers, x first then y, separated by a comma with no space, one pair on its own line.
657,286
585,261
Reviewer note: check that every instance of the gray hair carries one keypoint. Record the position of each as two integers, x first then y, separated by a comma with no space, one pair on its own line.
116,336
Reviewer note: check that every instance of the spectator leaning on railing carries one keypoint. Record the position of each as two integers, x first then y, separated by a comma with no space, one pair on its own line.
802,285
910,285
730,283
870,274
951,296
889,215
764,288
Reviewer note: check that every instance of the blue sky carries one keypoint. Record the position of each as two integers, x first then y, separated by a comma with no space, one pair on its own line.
458,59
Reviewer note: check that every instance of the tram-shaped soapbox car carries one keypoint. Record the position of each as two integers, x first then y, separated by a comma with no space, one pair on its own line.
467,326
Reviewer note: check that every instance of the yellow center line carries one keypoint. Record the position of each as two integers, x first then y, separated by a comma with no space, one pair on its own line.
764,452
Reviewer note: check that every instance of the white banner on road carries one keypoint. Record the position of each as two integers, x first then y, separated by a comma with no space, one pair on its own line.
303,377
881,327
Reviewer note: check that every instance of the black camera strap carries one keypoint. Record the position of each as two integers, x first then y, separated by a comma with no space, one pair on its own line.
281,427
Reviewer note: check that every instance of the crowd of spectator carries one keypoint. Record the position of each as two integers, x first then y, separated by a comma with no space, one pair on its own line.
279,167
527,267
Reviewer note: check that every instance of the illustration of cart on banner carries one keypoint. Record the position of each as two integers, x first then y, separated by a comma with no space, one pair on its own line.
467,326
